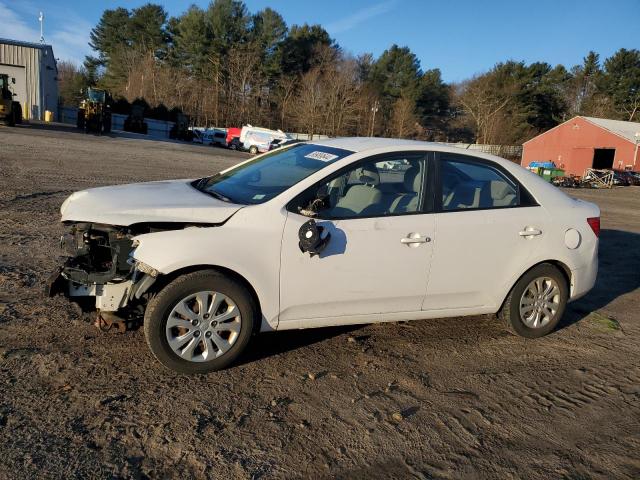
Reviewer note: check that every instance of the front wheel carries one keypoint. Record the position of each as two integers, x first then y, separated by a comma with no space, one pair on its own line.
107,124
200,322
537,302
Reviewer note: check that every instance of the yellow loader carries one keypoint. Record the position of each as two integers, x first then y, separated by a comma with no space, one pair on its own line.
10,110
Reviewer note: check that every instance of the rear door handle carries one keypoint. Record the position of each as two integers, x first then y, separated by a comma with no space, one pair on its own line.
413,239
530,232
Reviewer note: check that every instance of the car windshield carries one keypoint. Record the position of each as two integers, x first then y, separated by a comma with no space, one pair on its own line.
261,179
96,95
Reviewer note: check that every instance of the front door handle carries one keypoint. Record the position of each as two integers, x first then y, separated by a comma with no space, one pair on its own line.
414,240
530,232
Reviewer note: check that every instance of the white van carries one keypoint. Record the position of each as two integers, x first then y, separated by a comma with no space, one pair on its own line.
258,140
214,137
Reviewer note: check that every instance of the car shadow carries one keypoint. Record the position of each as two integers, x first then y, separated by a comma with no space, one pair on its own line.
618,274
269,344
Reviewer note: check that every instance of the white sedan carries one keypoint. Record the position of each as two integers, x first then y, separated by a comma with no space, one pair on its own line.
325,233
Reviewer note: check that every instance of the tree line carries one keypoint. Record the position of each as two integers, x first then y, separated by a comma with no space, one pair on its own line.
226,66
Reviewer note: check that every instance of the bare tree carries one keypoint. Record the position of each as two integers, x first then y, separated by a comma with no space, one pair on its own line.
341,90
308,102
403,118
484,99
284,94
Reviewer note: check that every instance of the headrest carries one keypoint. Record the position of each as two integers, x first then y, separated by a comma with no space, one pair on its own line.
369,175
412,179
465,194
499,189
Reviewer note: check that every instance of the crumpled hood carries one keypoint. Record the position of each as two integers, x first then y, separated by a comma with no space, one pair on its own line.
164,201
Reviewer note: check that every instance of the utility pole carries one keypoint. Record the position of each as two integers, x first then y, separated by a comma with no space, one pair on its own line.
41,20
374,109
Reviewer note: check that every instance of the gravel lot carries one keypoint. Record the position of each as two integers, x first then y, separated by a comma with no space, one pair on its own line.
454,398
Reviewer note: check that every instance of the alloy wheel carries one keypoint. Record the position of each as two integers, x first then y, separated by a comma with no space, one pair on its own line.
203,326
540,302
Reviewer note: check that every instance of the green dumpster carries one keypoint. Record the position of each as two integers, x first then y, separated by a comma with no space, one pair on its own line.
550,173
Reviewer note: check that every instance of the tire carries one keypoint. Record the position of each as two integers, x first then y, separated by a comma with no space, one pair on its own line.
18,110
524,324
161,308
11,120
253,150
80,121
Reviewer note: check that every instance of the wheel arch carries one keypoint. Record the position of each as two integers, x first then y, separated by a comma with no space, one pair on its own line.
165,279
561,266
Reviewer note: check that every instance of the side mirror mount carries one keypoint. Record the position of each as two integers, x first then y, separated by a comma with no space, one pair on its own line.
312,238
317,204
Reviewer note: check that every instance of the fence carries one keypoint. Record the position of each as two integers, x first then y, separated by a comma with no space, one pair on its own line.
506,151
156,128
306,136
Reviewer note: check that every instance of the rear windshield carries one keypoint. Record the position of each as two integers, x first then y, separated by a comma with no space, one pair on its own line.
261,179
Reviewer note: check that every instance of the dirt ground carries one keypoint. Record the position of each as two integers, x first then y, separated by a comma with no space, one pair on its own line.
450,398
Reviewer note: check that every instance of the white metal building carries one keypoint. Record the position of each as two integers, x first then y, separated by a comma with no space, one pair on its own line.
34,68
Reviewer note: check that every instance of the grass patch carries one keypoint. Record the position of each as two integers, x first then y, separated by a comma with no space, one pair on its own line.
603,322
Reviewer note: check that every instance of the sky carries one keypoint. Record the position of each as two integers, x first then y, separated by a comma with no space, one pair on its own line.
461,38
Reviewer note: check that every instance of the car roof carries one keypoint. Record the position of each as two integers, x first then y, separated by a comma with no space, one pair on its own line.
361,144
376,145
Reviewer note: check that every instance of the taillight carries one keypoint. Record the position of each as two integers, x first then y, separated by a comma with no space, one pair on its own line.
594,223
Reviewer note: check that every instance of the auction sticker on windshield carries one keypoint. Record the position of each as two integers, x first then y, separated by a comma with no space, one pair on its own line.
322,156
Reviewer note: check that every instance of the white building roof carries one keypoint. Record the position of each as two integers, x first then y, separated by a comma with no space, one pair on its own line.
627,130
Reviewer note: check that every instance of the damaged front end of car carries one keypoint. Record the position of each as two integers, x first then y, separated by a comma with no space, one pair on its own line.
105,227
97,262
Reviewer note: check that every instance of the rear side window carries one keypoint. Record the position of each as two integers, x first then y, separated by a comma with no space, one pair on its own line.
469,185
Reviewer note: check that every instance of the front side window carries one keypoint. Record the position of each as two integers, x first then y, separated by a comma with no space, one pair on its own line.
468,185
261,179
382,187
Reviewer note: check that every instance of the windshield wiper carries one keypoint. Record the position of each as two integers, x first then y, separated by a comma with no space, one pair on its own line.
200,183
219,196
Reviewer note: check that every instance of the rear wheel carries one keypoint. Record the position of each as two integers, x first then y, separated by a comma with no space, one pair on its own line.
253,150
537,302
80,120
200,322
18,115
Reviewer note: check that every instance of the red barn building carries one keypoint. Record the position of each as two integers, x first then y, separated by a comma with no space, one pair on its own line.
586,142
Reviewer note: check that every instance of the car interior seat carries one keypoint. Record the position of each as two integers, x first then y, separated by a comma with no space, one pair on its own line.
464,195
502,194
361,196
408,201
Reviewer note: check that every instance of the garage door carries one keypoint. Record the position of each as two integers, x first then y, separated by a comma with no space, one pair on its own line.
20,87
